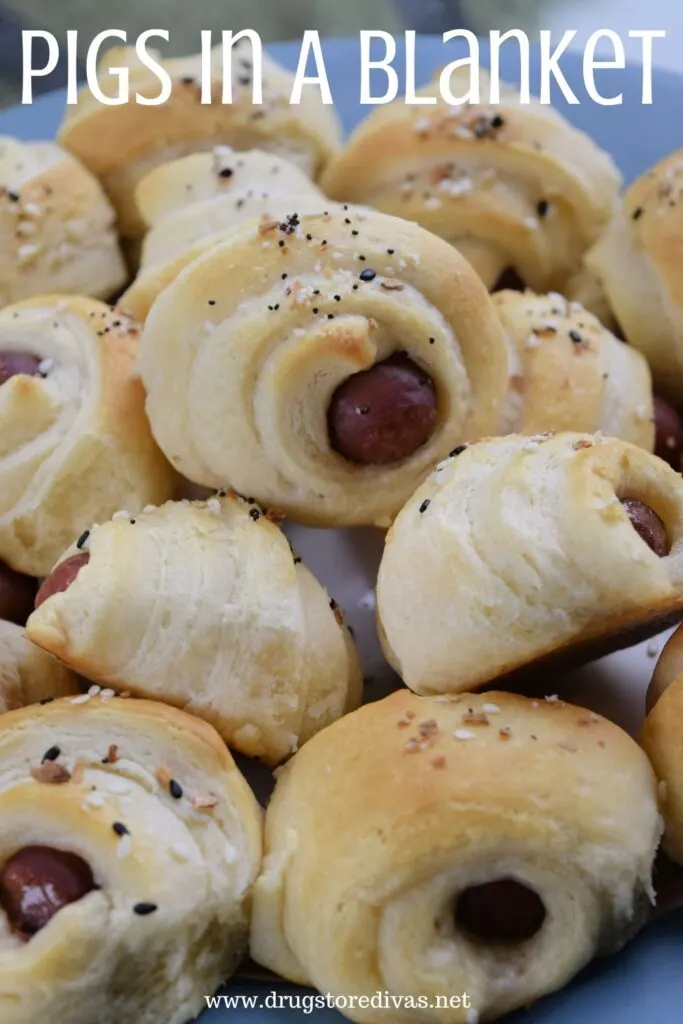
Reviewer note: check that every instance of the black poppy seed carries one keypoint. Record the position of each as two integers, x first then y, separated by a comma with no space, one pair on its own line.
212,302
324,241
239,204
457,451
309,238
175,789
281,243
315,309
368,274
46,700
497,121
13,197
297,560
390,252
543,207
143,909
333,604
270,308
351,630
187,80
254,513
363,410
337,298
50,755
425,505
283,276
82,539
120,829
250,501
132,522
355,287
605,376
575,337
226,172
276,306
330,316
637,213
354,232
362,259
432,340
347,220
316,291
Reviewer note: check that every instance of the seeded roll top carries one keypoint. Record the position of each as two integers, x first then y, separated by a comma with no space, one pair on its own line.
121,144
56,226
125,826
500,843
514,186
322,363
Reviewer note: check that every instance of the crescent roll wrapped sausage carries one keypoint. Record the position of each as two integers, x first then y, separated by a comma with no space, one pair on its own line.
56,226
662,739
638,262
520,548
129,843
189,201
75,443
512,186
27,674
571,373
204,606
500,843
120,144
323,363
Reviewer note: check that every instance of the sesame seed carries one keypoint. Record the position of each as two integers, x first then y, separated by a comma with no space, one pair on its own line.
51,755
542,207
575,337
120,829
457,451
637,213
368,274
175,789
226,172
425,505
464,734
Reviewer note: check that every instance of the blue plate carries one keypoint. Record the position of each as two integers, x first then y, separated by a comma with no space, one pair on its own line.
645,982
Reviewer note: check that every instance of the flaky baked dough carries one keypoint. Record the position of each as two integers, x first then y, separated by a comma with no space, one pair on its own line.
511,185
638,261
194,857
240,365
204,605
519,548
379,824
568,372
56,226
188,201
120,144
662,738
27,674
75,444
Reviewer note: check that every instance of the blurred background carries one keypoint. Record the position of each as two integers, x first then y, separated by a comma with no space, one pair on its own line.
286,19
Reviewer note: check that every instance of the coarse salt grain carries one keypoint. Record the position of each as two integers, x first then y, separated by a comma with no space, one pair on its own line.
213,505
149,508
464,734
122,514
46,365
83,698
531,446
92,800
652,650
490,709
94,690
107,694
368,601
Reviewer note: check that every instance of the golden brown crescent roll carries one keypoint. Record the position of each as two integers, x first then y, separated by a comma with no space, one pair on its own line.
205,606
56,226
75,444
570,373
323,363
120,144
639,262
519,548
669,666
187,202
512,186
489,845
129,843
27,674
